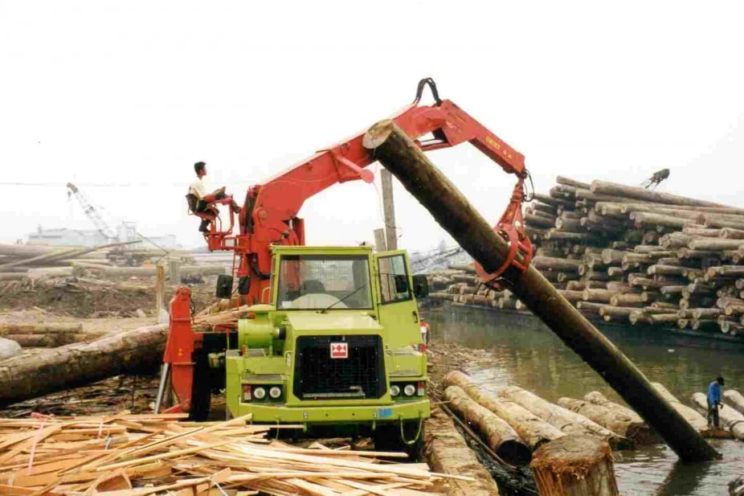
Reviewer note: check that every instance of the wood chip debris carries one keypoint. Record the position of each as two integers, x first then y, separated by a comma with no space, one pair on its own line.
148,454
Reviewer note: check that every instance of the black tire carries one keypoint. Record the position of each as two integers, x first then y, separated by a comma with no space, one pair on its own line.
387,438
201,389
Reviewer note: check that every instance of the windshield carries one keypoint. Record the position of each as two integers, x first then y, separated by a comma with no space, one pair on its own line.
317,282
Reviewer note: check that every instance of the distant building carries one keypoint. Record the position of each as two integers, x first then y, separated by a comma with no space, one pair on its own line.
127,231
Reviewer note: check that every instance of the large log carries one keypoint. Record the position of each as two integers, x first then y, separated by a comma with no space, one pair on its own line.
734,399
499,436
608,188
612,419
30,375
696,420
600,399
731,420
448,453
531,428
567,421
399,154
575,466
9,328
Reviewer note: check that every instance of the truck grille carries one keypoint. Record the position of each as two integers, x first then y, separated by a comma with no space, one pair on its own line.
318,376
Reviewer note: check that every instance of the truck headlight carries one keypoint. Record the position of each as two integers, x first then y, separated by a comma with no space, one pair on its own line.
409,390
259,393
394,390
275,392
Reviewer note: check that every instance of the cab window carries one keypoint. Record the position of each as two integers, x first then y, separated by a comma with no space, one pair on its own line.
318,282
393,279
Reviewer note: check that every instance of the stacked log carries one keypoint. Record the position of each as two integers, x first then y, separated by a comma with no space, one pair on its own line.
638,257
611,418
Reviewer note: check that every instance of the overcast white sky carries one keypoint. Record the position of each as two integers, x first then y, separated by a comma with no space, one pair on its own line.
123,97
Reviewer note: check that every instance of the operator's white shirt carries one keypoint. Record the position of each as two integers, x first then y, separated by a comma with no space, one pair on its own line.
199,187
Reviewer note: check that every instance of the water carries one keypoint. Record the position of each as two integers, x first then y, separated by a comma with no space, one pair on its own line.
529,355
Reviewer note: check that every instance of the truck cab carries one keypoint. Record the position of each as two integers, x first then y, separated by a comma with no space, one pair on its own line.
338,343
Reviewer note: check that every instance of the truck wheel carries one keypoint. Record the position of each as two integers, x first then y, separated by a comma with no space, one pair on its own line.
201,390
387,437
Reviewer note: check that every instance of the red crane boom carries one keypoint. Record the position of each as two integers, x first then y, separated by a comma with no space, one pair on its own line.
269,214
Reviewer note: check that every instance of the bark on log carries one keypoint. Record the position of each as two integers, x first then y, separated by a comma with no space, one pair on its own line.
575,466
556,264
612,419
498,435
734,399
51,340
447,452
715,244
6,329
399,154
608,188
731,420
696,420
531,428
27,376
567,421
600,399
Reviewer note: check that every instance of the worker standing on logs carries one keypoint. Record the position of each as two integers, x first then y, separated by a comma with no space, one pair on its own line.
714,402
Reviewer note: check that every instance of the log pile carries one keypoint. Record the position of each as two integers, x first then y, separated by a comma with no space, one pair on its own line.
156,454
629,255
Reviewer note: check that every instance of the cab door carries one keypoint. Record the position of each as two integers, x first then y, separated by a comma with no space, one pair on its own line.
397,309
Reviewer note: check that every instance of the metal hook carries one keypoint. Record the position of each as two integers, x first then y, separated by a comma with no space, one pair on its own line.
432,86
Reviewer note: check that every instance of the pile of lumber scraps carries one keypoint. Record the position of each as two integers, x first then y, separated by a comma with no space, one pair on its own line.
156,454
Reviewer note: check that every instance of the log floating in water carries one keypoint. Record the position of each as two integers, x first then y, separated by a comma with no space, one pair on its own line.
611,418
531,428
575,466
499,435
734,399
401,156
731,420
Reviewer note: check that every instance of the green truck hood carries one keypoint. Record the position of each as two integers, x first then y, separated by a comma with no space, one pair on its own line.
336,321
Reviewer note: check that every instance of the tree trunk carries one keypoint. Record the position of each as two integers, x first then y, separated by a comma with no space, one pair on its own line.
614,420
532,429
696,420
6,329
567,421
735,399
399,154
608,188
731,420
575,466
497,434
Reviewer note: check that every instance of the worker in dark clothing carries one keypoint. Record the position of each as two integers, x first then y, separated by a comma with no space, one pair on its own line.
714,401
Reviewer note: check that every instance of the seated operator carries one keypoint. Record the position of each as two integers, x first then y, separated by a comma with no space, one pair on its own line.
199,199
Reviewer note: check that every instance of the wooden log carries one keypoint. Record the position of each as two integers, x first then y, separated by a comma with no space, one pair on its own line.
532,429
600,399
621,190
51,340
575,466
731,420
597,295
186,270
629,300
582,285
715,244
9,328
447,452
691,415
731,233
734,399
567,421
566,181
556,264
534,220
610,313
399,154
647,219
631,427
499,436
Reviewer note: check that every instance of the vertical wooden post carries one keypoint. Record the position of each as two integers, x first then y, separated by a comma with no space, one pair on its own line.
388,206
174,270
398,153
574,466
159,289
380,243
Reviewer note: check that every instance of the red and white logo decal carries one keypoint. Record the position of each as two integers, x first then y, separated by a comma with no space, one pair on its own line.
339,350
